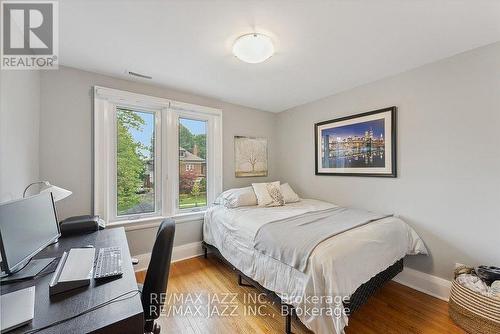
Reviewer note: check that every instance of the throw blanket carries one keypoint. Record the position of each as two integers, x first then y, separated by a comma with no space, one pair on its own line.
292,240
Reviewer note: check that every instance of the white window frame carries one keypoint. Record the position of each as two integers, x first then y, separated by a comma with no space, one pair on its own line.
167,113
179,111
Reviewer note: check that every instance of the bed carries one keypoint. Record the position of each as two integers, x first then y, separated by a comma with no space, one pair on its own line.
343,268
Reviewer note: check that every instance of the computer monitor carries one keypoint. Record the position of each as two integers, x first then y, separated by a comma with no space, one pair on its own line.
26,227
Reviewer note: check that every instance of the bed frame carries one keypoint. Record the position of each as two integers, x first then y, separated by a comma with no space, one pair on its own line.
358,298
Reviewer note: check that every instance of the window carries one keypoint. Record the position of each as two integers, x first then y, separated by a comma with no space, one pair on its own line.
135,162
192,178
153,157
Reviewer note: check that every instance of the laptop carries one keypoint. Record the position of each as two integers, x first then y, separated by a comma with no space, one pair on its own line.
17,308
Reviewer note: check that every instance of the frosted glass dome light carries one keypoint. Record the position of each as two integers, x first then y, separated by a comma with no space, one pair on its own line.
253,48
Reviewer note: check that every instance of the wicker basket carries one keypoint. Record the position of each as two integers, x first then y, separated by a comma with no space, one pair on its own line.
474,312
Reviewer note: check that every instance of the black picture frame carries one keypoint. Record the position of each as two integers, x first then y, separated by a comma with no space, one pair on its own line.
392,173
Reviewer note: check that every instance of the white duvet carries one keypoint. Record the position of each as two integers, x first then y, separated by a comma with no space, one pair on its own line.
336,268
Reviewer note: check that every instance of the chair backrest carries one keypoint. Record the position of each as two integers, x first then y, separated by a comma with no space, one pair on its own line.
155,283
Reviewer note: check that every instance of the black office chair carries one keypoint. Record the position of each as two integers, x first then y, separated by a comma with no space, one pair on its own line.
156,280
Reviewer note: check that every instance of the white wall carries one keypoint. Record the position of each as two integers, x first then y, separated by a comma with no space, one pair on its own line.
448,186
66,139
19,124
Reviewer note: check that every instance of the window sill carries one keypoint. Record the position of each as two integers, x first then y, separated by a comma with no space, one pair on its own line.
151,222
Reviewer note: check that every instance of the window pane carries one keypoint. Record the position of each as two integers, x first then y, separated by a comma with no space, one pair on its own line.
192,163
135,164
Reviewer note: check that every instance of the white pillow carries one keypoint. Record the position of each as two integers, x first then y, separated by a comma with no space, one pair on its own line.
288,194
268,194
237,197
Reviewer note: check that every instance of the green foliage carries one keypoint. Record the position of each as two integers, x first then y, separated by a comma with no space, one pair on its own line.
185,138
130,164
187,141
203,184
189,201
196,191
201,142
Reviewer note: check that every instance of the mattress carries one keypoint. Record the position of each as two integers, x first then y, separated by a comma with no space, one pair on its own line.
336,267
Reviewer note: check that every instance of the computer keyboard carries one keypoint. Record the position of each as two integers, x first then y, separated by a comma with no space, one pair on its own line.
109,263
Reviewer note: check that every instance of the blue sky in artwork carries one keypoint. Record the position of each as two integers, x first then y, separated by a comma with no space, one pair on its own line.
358,129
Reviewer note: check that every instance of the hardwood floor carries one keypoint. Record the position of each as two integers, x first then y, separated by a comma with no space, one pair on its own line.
394,309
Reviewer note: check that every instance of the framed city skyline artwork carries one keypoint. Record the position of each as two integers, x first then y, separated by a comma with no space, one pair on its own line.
358,145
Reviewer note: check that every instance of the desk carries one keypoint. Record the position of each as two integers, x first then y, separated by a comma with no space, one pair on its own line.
124,316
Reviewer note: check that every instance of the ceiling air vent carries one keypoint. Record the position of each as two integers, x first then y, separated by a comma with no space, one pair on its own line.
139,75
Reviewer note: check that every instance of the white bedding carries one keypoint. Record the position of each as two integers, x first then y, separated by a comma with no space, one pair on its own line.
337,267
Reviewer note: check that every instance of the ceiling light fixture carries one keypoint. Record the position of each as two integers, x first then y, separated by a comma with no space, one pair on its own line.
253,48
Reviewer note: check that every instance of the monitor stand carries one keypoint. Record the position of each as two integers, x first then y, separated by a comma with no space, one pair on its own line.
33,268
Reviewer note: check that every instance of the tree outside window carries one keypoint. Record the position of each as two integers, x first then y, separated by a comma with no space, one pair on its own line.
135,162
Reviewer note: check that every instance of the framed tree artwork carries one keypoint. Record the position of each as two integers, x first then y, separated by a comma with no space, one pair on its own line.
250,155
358,145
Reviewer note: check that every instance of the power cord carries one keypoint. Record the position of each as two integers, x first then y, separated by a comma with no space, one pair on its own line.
112,300
19,269
44,272
24,266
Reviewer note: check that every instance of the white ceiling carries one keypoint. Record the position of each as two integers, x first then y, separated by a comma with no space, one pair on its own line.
322,47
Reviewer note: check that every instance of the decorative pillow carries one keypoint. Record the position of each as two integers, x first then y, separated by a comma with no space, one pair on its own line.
268,194
288,194
237,197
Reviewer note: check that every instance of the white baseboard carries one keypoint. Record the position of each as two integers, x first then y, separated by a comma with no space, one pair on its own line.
432,285
187,251
179,253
